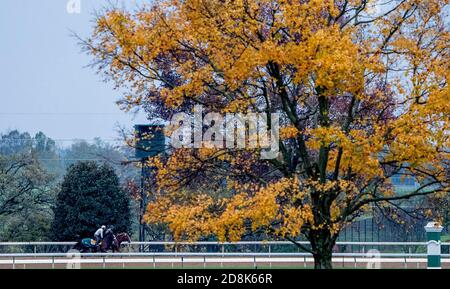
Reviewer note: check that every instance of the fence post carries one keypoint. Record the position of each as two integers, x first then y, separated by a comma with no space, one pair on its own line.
434,230
223,255
270,256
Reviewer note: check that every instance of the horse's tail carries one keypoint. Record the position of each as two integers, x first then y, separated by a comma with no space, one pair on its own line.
78,246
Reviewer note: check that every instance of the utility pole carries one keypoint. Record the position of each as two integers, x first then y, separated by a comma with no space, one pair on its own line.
142,207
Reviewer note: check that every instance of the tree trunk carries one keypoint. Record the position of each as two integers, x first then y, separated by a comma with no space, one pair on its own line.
323,260
322,243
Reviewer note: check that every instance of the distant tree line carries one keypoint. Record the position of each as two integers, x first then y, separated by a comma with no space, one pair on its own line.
50,192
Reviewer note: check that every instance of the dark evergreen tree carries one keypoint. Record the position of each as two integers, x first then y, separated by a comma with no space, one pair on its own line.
90,196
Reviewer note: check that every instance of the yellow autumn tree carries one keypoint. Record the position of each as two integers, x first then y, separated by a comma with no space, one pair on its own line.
361,87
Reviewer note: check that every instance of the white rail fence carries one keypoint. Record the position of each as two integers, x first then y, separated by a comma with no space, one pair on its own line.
211,243
149,260
365,256
45,247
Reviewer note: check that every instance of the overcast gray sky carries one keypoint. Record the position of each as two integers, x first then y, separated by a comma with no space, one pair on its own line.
44,84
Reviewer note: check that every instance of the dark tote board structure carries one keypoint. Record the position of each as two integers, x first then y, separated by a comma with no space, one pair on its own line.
150,142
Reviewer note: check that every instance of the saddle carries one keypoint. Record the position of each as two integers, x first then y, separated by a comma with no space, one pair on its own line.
89,243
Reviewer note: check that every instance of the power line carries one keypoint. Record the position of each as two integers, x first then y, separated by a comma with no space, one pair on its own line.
61,113
73,160
68,139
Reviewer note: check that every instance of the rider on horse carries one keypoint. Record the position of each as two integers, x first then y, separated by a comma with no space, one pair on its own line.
110,230
104,240
99,234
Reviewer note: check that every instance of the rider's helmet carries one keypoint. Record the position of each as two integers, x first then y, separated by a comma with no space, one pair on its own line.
103,227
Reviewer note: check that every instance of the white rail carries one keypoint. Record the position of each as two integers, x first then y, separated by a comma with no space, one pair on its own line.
197,254
184,259
227,243
223,257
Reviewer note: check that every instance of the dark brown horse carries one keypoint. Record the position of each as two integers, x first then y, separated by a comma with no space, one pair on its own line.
113,242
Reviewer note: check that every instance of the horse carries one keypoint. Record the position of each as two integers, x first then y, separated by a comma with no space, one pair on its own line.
113,242
110,242
123,237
